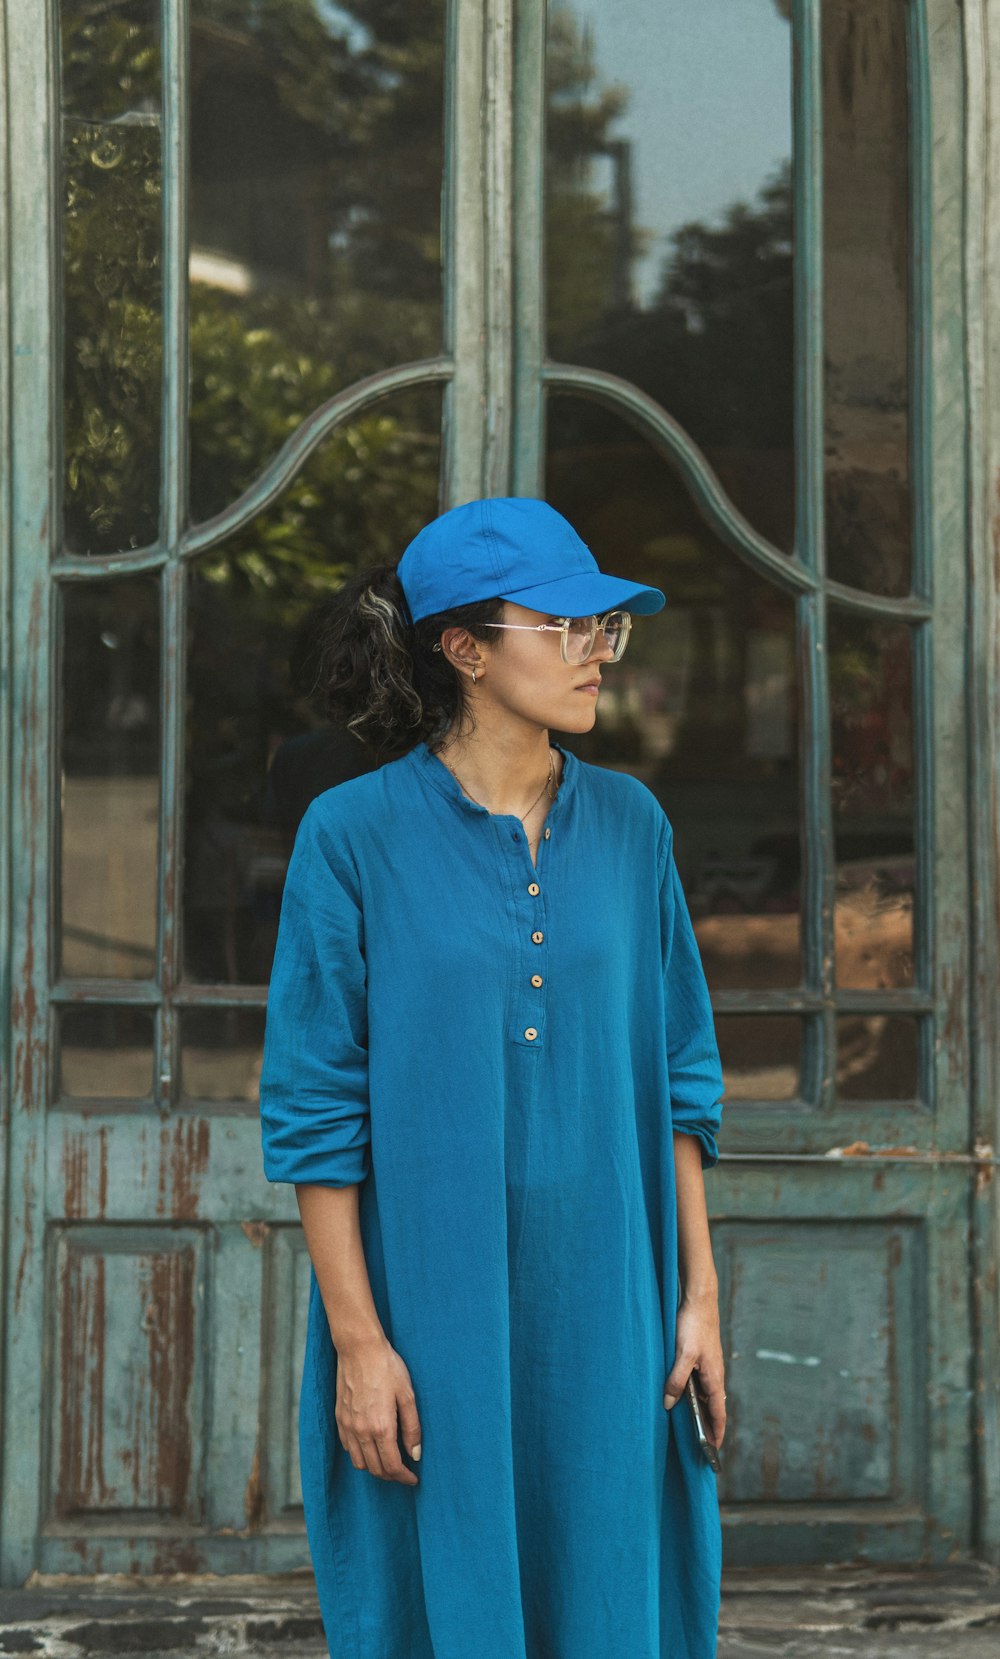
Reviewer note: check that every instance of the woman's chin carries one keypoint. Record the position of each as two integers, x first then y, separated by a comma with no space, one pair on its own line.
587,716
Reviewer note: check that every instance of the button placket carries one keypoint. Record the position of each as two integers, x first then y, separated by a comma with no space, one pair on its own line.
528,1024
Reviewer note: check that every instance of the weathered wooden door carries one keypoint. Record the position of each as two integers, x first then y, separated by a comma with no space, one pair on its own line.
286,279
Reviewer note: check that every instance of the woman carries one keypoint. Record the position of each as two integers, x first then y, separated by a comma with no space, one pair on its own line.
490,1069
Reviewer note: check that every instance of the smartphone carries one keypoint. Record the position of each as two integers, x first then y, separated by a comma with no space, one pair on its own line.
709,1451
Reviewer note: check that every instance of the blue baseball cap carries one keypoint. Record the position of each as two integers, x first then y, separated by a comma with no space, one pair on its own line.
516,548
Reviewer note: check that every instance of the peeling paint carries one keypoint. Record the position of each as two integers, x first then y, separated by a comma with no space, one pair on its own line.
27,1220
253,1498
78,1200
863,1149
83,1331
183,1163
787,1359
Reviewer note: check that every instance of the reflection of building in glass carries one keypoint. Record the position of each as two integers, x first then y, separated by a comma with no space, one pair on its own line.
713,344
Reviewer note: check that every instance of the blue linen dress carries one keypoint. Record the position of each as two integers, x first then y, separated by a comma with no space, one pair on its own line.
501,1069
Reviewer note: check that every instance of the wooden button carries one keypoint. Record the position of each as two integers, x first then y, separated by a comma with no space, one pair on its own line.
533,887
536,938
536,979
531,1033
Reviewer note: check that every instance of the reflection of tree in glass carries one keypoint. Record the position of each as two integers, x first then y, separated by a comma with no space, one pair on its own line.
110,58
580,231
357,500
726,298
113,349
871,706
316,148
714,344
110,62
350,94
252,610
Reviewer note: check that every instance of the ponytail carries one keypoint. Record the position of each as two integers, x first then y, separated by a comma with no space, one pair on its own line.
376,671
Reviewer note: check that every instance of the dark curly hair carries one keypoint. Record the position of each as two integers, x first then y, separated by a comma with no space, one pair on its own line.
376,673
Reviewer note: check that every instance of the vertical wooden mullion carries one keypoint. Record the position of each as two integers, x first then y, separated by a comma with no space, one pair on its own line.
921,431
31,114
528,415
6,661
464,254
943,671
498,174
817,887
173,518
478,248
981,268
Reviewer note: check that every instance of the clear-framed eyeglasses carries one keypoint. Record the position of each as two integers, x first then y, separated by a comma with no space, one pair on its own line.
578,633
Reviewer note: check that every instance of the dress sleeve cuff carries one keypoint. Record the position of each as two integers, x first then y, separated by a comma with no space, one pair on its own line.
709,1145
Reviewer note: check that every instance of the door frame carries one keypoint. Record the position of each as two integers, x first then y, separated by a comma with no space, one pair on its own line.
494,371
981,263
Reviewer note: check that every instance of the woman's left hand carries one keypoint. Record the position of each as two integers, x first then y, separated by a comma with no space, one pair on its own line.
699,1343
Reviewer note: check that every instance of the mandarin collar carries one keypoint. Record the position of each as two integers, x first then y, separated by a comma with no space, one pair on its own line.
433,768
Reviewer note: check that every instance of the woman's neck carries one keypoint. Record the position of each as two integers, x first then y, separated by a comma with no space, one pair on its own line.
503,776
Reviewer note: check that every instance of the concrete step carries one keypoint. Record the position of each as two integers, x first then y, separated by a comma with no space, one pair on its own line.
835,1613
861,1613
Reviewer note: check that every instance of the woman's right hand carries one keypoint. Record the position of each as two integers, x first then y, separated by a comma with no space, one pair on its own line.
373,1386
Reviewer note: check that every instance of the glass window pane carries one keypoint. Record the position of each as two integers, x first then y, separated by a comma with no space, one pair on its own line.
877,1057
866,265
871,708
704,705
106,1053
221,1053
112,247
316,168
669,223
257,749
110,784
761,1055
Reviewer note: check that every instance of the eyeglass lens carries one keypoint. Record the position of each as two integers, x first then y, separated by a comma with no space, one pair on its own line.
581,635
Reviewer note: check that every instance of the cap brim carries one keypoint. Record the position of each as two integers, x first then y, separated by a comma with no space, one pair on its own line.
589,594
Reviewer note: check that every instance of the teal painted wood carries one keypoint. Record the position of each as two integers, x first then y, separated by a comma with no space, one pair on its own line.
498,264
940,442
6,690
466,310
870,1456
7,1238
926,686
982,363
27,819
528,314
479,251
818,877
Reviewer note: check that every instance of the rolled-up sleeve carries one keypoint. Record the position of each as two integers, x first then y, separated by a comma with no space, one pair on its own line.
696,1084
314,1112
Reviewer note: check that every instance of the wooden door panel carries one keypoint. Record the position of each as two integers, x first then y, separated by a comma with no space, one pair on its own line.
841,1290
126,1389
284,1321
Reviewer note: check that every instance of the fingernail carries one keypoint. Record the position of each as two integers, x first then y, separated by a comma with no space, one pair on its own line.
415,1454
670,1400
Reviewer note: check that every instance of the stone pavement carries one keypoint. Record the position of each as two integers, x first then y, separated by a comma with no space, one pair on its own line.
851,1613
835,1613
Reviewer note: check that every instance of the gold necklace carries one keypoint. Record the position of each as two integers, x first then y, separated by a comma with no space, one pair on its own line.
547,785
